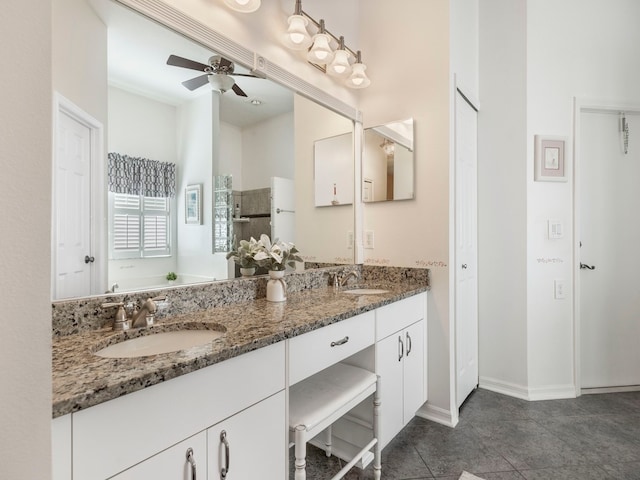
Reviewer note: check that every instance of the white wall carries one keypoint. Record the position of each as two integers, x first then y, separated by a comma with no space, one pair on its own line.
231,153
502,197
25,255
574,48
536,57
421,92
267,151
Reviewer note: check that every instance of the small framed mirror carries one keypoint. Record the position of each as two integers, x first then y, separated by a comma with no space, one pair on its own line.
388,162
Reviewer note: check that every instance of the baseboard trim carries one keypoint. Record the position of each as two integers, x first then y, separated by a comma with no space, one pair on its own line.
438,415
552,392
548,392
505,388
629,388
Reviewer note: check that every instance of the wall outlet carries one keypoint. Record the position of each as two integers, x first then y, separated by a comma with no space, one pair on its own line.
350,240
368,239
559,289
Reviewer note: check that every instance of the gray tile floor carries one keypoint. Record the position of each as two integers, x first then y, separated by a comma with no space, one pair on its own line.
503,438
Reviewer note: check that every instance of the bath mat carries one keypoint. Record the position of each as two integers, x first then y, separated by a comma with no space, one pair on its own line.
468,476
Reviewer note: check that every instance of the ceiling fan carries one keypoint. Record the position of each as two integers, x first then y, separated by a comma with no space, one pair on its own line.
218,73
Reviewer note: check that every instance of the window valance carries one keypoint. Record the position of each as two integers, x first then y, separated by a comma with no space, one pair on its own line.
141,176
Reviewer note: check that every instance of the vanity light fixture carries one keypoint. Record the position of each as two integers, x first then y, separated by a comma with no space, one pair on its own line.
358,78
340,66
328,52
244,6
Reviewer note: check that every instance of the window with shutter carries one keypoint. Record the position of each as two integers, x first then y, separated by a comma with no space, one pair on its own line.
139,226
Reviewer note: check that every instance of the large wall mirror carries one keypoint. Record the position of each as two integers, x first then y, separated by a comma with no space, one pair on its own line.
388,163
112,63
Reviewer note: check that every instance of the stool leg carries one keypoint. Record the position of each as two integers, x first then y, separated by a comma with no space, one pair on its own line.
300,450
377,467
327,440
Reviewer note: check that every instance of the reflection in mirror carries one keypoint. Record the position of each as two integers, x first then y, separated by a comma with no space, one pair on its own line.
149,112
333,170
388,164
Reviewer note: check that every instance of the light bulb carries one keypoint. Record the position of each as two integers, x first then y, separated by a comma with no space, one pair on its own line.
320,52
340,66
297,37
244,6
358,78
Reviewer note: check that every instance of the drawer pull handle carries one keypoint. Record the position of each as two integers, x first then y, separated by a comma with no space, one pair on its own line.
192,462
408,344
225,470
340,342
400,349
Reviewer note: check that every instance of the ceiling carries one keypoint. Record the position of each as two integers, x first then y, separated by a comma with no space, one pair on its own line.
138,49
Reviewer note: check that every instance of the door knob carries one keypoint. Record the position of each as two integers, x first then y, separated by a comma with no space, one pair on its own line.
588,267
88,259
464,266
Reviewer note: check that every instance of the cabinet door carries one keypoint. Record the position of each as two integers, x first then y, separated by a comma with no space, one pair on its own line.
389,362
414,365
256,443
172,464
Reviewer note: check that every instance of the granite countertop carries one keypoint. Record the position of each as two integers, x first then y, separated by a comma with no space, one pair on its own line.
82,379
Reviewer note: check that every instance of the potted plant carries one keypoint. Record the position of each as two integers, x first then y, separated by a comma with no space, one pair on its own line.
243,255
276,256
171,277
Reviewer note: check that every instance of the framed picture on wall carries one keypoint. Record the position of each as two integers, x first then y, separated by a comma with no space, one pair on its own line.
550,159
193,204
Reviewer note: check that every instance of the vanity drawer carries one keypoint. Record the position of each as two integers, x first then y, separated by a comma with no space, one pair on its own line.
396,316
313,351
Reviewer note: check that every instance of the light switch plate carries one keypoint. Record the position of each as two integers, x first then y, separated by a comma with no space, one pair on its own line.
368,239
556,229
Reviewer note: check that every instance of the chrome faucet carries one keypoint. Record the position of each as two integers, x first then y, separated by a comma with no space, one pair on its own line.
146,315
343,280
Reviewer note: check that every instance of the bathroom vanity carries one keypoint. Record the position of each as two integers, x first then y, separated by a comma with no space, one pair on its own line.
221,409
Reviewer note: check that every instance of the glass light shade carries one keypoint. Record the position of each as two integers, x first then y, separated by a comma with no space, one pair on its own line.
297,37
340,66
358,78
221,82
244,6
320,52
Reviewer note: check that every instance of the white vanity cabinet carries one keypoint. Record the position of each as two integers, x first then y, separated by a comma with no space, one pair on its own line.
139,430
401,362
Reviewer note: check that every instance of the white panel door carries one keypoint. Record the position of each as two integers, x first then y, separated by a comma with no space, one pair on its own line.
72,209
283,217
610,235
466,253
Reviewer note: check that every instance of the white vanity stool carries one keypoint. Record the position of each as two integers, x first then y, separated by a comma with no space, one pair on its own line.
315,403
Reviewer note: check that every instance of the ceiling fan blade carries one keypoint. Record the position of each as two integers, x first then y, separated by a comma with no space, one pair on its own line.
238,90
177,61
196,82
243,75
224,62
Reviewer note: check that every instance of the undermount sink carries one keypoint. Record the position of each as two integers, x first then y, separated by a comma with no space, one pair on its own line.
365,291
156,343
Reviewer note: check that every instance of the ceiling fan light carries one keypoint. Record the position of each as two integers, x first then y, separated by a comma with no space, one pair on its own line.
358,78
297,36
320,52
221,83
244,6
340,66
